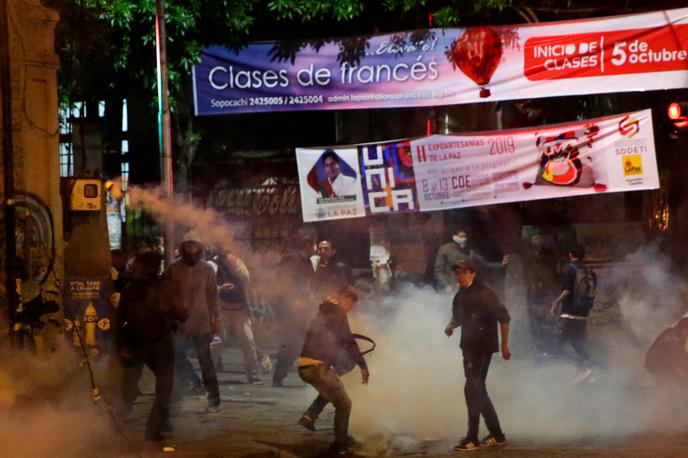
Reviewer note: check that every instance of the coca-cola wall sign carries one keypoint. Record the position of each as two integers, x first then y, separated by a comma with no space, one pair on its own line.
447,66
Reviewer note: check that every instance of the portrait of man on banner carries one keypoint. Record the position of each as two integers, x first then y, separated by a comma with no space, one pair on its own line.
332,177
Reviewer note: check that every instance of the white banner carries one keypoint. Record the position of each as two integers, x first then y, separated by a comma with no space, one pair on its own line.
611,154
435,67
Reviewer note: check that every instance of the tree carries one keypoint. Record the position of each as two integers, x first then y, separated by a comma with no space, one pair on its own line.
107,47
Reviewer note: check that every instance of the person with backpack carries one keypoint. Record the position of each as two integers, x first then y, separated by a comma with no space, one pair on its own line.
143,335
573,305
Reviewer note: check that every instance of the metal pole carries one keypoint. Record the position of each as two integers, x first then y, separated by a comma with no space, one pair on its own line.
164,129
8,165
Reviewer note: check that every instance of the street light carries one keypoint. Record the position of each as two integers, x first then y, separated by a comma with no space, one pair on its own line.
678,114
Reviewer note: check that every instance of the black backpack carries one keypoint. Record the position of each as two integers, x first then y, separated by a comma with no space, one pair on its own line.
585,286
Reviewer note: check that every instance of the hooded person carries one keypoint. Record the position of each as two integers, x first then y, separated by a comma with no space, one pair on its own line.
193,284
455,252
293,303
143,335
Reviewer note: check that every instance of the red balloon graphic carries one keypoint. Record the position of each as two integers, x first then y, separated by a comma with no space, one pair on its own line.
477,53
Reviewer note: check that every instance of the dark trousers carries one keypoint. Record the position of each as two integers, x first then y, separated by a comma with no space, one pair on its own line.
475,366
575,332
159,357
182,366
330,389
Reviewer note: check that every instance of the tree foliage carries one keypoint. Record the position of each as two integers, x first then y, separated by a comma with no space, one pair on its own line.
106,46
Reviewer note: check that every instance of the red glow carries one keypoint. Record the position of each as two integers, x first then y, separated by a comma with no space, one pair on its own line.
674,111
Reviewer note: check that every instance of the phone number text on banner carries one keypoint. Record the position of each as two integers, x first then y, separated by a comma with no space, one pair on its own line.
447,66
611,154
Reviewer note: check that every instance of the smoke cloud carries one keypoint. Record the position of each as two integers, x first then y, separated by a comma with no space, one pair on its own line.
210,225
415,397
46,407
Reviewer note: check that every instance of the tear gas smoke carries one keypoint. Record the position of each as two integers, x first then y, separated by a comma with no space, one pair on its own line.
416,390
415,396
46,408
210,225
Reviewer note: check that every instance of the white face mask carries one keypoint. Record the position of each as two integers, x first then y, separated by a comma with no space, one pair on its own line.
460,240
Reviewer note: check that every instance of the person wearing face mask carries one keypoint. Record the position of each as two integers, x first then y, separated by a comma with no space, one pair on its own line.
194,286
453,253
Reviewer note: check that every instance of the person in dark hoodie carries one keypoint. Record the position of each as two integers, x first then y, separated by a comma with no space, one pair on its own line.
329,343
143,335
194,287
294,303
477,310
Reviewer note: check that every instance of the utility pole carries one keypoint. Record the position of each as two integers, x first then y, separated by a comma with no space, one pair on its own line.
8,165
164,128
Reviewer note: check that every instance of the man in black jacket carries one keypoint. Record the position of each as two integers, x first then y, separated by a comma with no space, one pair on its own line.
143,335
477,310
294,305
329,344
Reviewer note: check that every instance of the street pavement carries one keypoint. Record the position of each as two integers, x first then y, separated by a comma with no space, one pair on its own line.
258,421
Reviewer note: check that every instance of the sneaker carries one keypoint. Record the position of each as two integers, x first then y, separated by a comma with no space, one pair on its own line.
255,380
491,440
467,445
277,384
582,376
212,409
306,422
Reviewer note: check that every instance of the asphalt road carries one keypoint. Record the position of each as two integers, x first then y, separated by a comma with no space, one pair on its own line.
260,421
